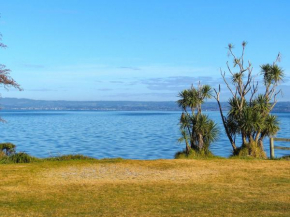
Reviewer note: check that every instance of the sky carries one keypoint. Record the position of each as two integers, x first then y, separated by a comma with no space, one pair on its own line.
145,50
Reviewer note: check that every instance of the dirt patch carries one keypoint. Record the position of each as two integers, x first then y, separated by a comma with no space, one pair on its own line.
122,173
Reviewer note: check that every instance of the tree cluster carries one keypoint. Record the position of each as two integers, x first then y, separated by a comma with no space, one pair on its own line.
197,130
249,116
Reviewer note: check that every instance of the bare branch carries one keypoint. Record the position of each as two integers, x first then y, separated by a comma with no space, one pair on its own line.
244,43
230,50
224,120
275,100
248,82
230,69
278,59
224,78
254,90
5,79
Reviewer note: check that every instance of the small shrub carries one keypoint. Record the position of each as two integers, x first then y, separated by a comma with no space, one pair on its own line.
250,150
7,148
193,154
69,157
4,159
22,157
286,157
2,154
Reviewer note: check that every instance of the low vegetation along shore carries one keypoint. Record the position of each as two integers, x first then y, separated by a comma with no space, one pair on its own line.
117,187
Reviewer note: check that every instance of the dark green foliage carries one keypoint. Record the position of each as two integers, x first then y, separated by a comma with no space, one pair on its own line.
287,157
272,74
251,149
4,159
249,115
8,155
194,154
22,157
69,157
197,130
7,148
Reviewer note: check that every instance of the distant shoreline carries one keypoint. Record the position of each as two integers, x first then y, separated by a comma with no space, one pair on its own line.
62,105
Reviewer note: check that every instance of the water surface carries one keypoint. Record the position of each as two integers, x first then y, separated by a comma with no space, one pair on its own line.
109,134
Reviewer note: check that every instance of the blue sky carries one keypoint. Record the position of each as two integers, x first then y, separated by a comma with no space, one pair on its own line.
145,50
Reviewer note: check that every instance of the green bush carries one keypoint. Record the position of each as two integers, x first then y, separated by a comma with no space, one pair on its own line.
4,159
69,157
286,157
7,148
193,154
250,150
22,157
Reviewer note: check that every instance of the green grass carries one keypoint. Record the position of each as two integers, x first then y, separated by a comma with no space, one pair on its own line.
116,187
22,157
68,157
193,154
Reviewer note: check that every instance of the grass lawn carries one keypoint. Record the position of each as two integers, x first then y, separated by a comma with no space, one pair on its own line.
213,187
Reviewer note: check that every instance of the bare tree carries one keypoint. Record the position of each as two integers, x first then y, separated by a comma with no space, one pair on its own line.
249,114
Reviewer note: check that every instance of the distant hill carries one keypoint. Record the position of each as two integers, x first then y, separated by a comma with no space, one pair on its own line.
29,104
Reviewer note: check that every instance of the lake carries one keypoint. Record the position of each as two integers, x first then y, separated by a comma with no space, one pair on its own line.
110,134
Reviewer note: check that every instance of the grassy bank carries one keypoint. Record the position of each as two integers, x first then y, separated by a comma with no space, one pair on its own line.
212,187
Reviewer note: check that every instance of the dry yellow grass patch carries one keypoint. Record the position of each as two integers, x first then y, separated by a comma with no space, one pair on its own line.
124,172
219,187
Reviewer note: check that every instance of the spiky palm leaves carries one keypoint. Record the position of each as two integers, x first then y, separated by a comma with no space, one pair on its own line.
183,101
253,121
204,130
272,74
249,114
193,98
271,126
184,138
195,127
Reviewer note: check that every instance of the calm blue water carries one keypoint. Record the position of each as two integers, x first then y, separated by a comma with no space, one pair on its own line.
110,134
